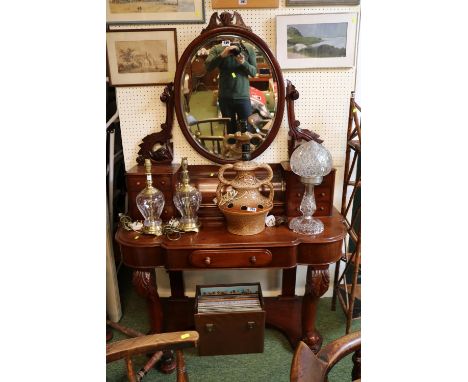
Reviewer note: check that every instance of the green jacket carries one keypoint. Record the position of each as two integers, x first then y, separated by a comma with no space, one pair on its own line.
233,77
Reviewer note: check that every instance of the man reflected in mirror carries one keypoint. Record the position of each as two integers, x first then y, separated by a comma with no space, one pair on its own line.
236,61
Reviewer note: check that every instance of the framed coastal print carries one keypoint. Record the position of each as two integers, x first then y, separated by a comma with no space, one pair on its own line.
236,4
141,57
155,11
326,40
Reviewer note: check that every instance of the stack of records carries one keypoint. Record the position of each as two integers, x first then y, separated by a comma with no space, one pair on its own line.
223,301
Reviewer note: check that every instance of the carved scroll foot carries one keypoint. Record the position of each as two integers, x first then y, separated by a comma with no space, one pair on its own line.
144,282
317,282
145,285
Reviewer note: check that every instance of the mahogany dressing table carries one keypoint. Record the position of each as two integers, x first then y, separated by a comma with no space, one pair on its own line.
214,248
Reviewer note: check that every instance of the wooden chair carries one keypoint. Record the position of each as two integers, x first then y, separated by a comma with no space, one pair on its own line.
204,131
309,367
153,343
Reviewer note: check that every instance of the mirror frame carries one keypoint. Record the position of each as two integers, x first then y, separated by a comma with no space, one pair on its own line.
228,24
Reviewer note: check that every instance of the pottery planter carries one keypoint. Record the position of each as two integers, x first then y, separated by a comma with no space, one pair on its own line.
240,200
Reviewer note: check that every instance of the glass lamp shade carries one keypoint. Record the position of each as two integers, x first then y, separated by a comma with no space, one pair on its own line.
311,161
187,200
150,202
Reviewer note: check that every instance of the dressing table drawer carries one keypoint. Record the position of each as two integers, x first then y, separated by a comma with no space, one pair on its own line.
230,258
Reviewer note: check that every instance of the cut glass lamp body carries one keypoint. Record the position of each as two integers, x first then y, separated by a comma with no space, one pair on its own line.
187,200
150,202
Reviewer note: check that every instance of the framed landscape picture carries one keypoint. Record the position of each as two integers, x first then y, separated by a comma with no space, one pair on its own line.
316,40
155,11
141,57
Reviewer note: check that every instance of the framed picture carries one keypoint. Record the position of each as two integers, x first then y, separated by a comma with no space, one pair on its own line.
298,3
155,11
141,57
233,4
326,40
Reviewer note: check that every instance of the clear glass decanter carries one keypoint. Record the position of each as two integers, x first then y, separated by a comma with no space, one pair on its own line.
150,202
187,200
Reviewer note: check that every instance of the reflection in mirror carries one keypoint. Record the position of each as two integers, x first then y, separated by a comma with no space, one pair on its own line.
229,95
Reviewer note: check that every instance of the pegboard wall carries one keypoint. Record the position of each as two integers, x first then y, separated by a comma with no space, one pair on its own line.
322,105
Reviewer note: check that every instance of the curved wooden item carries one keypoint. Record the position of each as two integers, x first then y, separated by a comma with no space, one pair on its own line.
309,367
226,19
163,137
226,24
153,343
317,281
295,132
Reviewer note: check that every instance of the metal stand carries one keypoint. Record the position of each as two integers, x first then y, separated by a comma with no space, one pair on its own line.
346,287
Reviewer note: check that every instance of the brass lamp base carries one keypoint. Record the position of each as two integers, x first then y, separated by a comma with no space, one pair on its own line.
190,225
153,229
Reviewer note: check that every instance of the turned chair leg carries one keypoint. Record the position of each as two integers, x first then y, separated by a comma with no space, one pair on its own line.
182,375
130,371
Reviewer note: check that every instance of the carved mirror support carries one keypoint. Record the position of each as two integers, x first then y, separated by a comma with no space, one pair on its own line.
296,134
158,146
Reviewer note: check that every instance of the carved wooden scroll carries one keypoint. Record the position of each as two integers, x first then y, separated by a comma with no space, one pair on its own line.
297,135
158,146
226,19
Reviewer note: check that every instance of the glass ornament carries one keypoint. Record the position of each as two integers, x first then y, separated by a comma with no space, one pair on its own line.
187,200
150,202
311,161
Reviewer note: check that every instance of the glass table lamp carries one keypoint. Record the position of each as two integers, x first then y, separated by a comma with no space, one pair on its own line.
150,202
187,200
311,161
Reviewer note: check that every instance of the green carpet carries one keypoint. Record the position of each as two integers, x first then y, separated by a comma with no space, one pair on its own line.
273,365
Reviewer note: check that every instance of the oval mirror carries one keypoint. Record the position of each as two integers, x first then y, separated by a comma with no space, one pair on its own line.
229,93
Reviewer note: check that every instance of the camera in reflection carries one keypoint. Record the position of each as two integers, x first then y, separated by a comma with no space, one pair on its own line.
240,47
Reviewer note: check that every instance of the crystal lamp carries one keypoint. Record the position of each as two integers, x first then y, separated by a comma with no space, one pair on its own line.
311,161
150,202
187,200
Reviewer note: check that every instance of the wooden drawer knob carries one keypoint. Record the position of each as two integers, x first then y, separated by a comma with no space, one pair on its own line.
251,324
209,327
321,208
163,182
138,183
207,260
298,194
322,194
253,260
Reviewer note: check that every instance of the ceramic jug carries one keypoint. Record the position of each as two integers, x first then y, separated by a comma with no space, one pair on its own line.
240,199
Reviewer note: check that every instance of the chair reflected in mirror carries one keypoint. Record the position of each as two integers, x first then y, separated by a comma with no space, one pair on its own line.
210,132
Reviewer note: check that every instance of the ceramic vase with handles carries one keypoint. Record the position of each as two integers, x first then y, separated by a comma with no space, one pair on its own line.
240,199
